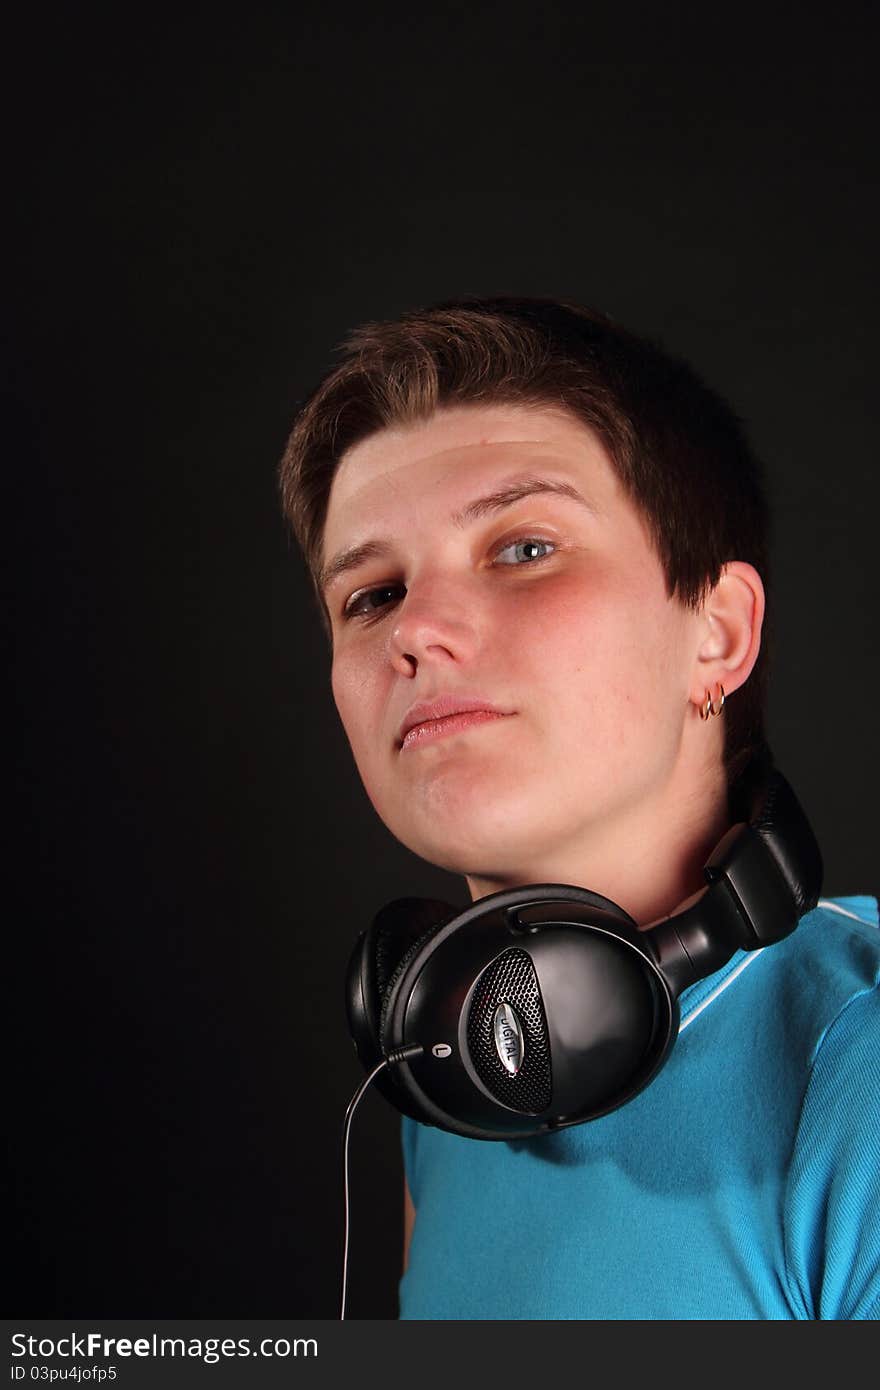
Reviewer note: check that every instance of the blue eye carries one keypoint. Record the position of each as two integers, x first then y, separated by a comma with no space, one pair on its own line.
526,550
371,603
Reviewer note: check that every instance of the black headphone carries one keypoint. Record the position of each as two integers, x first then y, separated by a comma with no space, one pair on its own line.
545,1006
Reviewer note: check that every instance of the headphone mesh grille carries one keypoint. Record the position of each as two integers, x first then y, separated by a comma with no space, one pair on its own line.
511,979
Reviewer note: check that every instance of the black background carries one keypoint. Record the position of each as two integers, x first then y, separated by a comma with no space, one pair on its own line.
202,206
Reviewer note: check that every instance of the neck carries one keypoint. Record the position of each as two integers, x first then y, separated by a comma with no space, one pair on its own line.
650,861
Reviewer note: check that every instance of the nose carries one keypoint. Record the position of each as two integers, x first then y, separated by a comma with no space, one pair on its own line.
434,624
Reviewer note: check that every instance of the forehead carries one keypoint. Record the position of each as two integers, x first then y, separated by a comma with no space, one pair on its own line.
410,470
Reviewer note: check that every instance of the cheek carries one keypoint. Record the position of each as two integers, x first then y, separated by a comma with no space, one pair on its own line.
350,688
576,627
604,653
360,694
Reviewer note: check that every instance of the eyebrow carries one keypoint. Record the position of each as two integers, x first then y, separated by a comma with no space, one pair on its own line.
504,496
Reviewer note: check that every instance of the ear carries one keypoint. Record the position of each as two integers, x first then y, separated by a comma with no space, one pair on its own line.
733,615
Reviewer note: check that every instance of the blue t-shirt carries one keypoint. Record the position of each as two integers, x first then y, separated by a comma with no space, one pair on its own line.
743,1183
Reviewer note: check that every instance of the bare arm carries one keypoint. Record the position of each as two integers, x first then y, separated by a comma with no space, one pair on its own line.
409,1216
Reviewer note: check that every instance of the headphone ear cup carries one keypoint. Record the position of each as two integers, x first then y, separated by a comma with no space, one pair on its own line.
380,955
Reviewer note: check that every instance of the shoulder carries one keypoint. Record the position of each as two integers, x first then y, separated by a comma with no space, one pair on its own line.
786,996
830,960
833,1198
839,953
851,920
855,915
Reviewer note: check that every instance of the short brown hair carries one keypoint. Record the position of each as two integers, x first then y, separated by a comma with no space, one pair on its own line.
679,451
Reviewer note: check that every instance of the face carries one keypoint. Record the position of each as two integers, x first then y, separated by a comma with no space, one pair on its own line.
511,676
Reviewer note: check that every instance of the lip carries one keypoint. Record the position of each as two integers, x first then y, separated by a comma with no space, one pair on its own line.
448,714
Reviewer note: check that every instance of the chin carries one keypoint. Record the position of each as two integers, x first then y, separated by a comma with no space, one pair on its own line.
488,842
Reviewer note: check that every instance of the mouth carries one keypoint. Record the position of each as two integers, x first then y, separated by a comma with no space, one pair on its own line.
429,730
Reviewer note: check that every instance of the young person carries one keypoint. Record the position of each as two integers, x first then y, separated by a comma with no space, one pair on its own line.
540,547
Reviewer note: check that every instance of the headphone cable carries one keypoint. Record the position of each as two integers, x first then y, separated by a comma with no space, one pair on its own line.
397,1055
